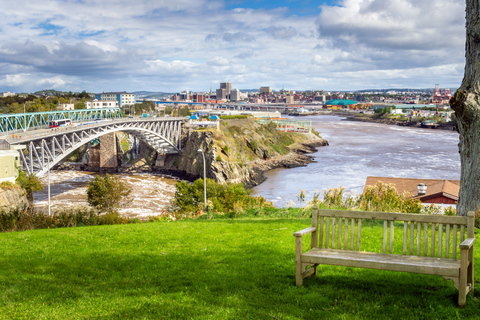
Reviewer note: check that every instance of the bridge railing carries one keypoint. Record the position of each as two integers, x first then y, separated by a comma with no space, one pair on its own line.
21,122
19,137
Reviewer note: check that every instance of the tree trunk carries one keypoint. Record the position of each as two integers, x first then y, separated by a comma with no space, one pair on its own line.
466,103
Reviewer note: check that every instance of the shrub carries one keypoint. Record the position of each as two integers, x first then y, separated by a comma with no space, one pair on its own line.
21,219
7,185
107,194
384,197
189,198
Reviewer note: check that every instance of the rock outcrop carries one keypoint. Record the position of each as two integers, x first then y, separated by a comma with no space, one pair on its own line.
13,198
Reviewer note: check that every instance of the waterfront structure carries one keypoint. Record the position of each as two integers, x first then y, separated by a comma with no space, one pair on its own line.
124,98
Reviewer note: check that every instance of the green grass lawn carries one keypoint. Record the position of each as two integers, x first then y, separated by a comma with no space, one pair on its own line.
204,269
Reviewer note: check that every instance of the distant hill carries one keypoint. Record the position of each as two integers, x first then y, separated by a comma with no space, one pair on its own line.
152,94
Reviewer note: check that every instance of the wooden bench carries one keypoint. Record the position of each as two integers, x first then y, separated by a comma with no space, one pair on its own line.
429,245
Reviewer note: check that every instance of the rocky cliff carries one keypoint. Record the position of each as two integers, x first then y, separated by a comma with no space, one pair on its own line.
13,198
240,152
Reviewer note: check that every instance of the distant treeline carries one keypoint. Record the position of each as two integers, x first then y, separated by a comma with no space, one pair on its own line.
32,103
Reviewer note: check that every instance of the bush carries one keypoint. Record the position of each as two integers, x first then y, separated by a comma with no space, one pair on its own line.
107,194
7,185
21,219
189,198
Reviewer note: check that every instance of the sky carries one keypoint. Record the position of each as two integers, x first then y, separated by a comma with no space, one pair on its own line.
176,45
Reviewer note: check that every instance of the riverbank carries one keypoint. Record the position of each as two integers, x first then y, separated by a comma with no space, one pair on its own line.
390,121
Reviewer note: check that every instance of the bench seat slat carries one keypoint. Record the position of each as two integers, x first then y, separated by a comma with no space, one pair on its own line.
392,262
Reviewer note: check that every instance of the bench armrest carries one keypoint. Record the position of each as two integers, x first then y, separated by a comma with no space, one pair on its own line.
303,232
467,243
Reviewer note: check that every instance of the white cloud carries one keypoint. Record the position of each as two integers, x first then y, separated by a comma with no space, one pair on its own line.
218,61
190,44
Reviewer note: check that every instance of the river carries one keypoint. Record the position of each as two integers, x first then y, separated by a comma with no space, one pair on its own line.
356,150
361,149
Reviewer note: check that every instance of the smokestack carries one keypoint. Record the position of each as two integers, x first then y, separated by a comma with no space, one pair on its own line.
422,189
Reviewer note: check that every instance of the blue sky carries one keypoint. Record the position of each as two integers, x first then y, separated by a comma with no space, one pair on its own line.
164,45
295,7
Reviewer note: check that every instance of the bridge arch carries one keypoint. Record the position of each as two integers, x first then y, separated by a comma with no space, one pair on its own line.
43,152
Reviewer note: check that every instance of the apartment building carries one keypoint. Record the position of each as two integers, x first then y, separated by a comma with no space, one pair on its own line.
95,104
123,98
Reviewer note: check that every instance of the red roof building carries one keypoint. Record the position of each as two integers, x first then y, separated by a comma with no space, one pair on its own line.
437,191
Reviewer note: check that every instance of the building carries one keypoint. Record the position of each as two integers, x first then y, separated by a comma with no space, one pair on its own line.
123,98
289,100
235,95
200,98
431,190
227,86
95,104
7,94
9,161
266,90
221,94
66,106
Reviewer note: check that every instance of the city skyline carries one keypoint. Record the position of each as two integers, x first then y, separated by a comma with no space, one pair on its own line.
98,45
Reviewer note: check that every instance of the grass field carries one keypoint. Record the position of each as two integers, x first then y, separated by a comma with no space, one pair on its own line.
203,269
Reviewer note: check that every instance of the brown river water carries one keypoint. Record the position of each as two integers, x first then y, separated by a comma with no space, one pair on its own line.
356,150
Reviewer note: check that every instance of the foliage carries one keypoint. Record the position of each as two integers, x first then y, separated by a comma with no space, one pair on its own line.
380,197
254,145
384,197
21,219
29,182
7,185
382,112
189,198
107,194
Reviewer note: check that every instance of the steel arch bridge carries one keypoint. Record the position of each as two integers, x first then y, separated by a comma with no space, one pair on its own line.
46,149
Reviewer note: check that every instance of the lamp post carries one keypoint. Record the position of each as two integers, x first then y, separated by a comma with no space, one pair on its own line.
48,168
204,180
24,118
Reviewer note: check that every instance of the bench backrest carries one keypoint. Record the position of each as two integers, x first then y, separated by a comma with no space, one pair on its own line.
423,235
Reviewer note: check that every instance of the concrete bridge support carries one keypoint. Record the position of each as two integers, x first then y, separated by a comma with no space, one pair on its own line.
108,151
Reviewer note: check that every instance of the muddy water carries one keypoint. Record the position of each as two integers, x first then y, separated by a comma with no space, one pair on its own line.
150,192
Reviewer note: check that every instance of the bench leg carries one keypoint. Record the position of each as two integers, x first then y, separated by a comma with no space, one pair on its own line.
470,278
462,285
298,262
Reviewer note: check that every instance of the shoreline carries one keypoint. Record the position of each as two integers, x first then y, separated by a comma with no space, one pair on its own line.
443,126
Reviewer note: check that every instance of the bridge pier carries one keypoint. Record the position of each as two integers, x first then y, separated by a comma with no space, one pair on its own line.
108,151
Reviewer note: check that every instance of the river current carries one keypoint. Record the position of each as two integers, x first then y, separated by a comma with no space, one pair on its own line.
361,149
356,150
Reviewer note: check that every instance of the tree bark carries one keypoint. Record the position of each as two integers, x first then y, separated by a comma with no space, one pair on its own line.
466,103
